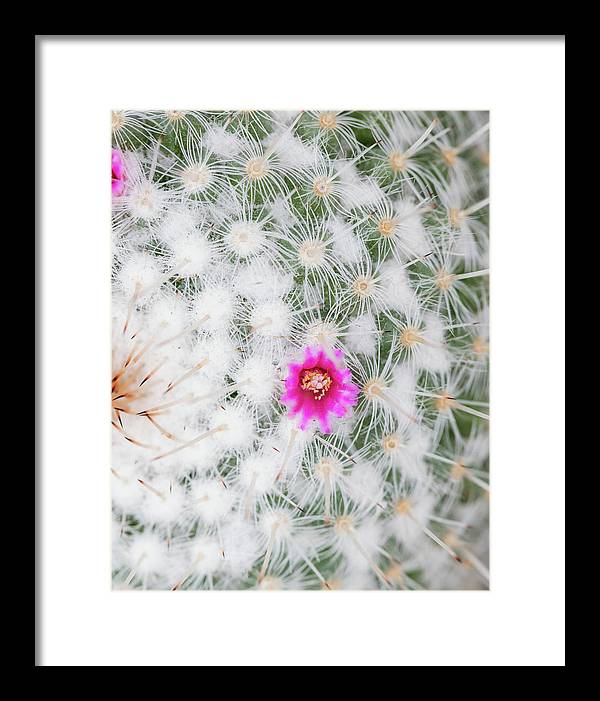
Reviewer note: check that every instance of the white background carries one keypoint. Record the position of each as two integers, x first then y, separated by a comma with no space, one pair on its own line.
521,620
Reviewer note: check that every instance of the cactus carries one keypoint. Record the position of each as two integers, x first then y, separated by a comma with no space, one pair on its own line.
300,350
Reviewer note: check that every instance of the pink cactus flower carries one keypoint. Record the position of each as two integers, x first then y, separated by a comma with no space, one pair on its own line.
118,173
319,386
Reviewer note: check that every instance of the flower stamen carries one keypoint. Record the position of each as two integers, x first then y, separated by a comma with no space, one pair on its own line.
317,381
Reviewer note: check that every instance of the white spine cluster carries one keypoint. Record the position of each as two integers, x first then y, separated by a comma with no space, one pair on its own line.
239,239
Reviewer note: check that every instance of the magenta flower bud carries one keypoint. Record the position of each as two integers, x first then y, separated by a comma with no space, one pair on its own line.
118,173
318,387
